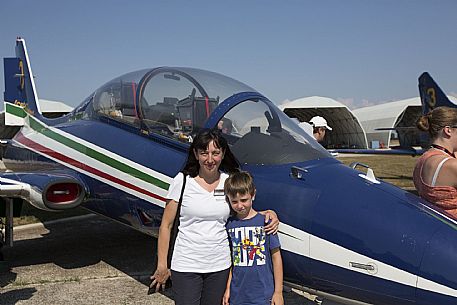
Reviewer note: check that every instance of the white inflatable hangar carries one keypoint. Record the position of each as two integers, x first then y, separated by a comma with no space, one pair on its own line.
347,132
402,113
54,109
399,114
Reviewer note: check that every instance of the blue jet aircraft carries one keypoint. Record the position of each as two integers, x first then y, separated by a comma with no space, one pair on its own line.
345,235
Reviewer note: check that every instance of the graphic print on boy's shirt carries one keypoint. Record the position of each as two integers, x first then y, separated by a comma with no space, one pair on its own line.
248,245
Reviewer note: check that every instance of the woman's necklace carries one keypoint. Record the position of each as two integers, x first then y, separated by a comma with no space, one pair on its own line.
443,149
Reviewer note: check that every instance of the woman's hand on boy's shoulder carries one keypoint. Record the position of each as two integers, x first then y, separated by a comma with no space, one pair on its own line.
271,222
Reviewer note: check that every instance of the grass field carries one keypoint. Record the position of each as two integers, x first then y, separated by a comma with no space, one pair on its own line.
393,169
397,170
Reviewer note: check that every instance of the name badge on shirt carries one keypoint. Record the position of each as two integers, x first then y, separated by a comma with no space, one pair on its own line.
219,192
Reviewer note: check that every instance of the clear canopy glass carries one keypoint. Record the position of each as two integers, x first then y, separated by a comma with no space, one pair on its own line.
177,102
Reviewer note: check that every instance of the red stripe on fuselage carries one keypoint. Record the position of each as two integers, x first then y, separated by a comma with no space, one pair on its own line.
29,143
207,106
134,98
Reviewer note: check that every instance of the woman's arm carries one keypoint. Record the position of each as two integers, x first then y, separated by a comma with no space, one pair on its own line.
162,272
271,221
277,298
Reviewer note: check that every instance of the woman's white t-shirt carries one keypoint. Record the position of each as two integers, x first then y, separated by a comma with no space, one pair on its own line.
202,244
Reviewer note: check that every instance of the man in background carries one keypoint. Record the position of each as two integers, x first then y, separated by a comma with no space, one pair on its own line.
320,127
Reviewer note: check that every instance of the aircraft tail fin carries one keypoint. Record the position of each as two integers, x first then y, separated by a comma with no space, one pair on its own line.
19,83
431,94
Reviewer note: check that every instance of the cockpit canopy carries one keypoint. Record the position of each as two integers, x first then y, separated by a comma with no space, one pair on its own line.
176,102
170,101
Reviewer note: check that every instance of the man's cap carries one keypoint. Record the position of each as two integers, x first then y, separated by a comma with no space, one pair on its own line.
319,121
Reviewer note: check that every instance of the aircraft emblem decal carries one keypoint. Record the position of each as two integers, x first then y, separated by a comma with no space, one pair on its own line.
21,75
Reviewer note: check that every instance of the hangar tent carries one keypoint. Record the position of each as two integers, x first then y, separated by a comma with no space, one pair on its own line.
347,131
54,109
399,114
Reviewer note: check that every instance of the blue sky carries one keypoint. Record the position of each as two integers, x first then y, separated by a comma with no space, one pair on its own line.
358,52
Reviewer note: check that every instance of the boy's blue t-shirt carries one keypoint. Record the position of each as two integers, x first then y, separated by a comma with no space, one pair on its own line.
252,272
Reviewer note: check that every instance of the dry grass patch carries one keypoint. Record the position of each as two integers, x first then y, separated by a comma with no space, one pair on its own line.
397,170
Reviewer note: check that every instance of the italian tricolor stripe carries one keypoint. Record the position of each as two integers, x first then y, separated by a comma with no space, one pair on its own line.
90,159
39,127
45,151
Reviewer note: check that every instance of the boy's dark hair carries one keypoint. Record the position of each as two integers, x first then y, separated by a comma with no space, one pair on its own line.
239,183
201,141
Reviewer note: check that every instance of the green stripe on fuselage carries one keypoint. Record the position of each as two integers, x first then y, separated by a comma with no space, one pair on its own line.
15,110
37,126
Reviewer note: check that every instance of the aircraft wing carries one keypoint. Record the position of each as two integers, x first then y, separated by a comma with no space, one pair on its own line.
395,128
390,151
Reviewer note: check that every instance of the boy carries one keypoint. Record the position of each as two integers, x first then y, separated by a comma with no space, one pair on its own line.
256,275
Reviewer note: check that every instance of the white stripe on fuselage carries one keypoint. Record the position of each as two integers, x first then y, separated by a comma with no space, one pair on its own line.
305,244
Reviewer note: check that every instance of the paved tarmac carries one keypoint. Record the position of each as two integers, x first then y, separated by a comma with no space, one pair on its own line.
85,260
